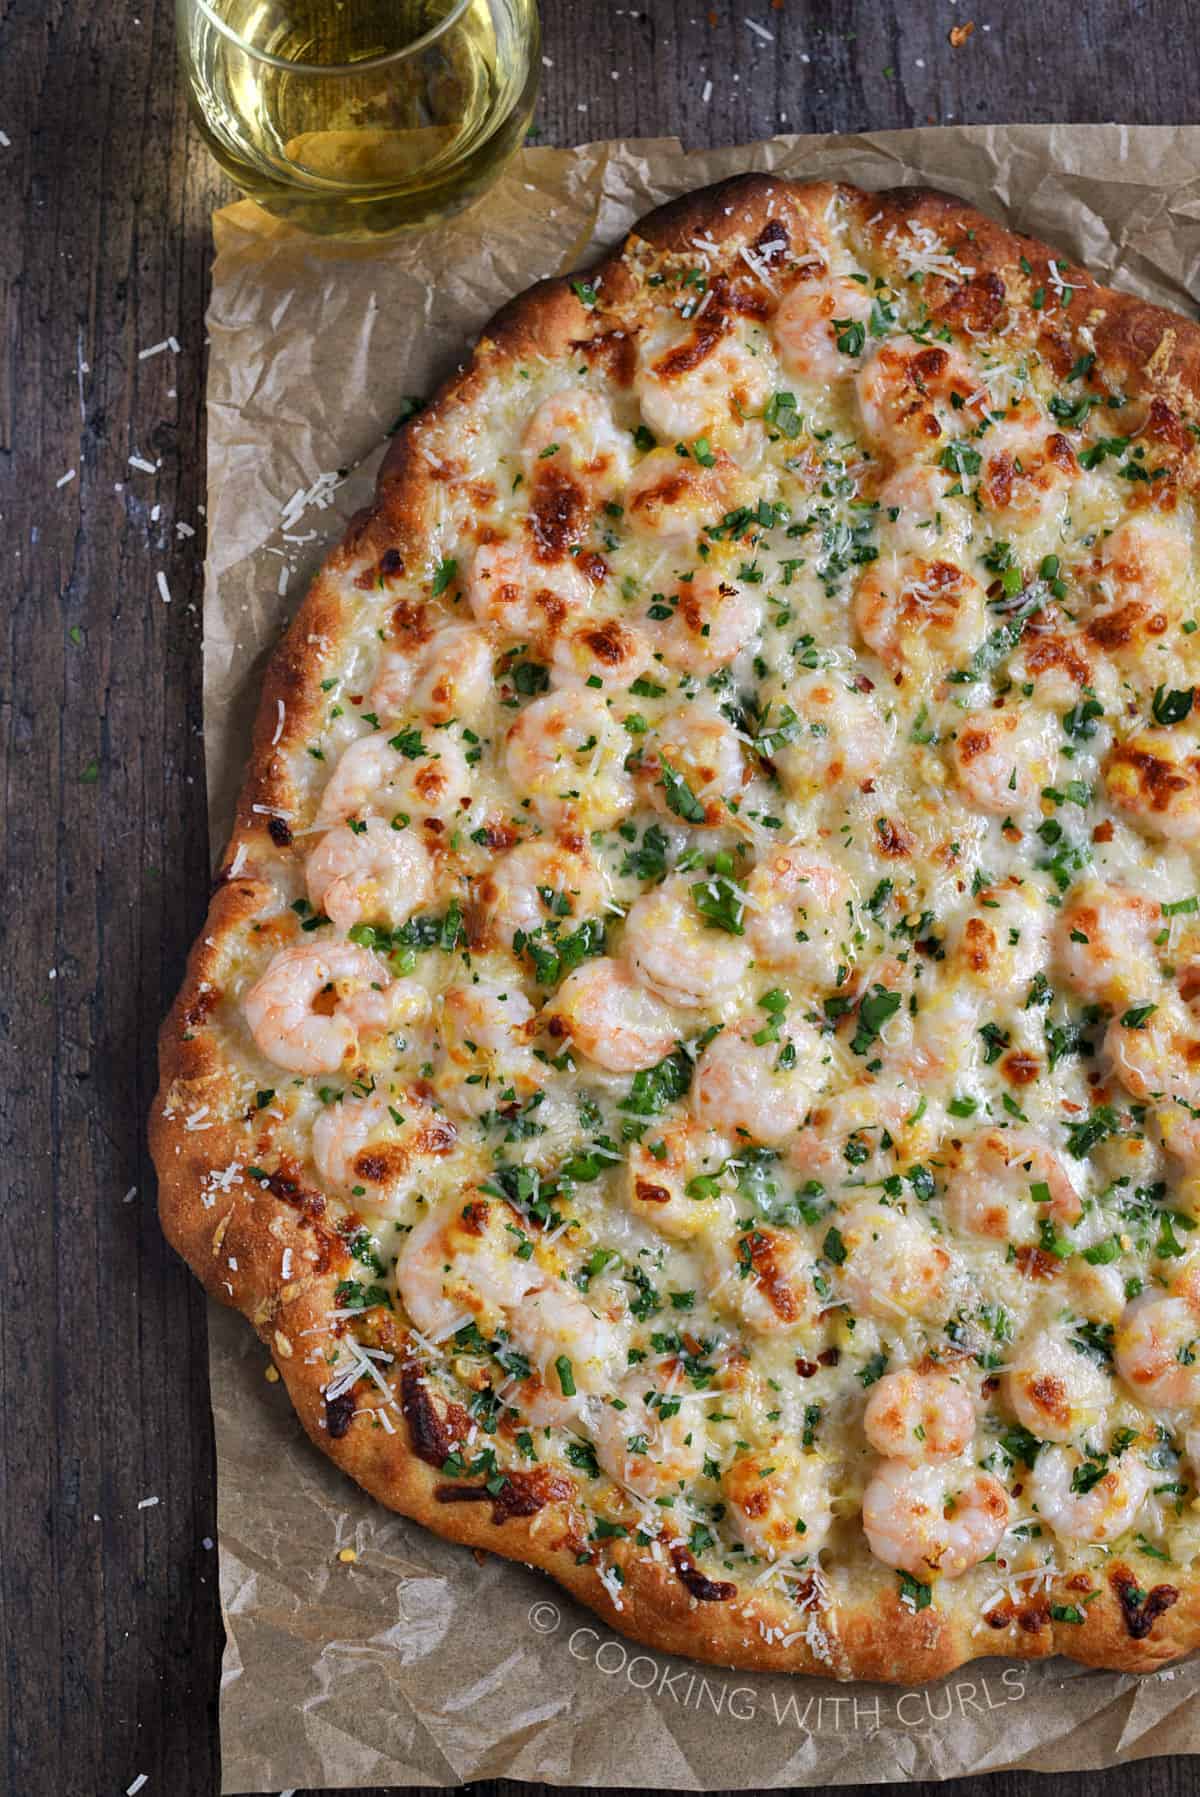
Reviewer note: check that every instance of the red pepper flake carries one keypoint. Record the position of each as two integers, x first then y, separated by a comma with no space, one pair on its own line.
960,33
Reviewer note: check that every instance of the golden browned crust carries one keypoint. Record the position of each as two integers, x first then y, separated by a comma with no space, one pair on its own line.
239,1232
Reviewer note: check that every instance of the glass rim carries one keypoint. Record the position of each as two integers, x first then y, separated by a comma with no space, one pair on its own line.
364,66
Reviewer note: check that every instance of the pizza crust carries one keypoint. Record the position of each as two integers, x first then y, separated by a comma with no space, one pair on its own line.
207,1210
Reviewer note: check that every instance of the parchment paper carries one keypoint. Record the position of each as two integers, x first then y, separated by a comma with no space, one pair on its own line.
417,1663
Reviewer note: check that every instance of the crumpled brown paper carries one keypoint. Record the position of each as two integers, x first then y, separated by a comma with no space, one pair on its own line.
416,1664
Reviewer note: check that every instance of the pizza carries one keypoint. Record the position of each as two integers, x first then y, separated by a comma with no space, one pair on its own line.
692,1067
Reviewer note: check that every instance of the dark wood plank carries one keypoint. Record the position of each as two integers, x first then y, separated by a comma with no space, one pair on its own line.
109,1629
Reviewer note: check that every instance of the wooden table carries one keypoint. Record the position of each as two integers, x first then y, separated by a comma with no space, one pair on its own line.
109,1626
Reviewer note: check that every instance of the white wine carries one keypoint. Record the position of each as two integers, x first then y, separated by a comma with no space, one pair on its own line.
357,118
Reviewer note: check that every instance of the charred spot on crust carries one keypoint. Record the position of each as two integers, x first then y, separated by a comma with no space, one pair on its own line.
391,562
279,830
288,1187
202,1006
709,1591
1165,426
1140,1609
975,305
735,296
772,240
338,1414
1032,1614
433,1437
522,1493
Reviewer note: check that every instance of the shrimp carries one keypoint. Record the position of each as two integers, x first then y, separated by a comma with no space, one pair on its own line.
538,880
765,1275
1158,1058
370,871
460,1264
1057,664
893,1266
808,327
1001,943
704,382
918,615
672,1178
360,778
860,1134
912,395
425,779
670,500
1028,469
1003,759
1055,1391
778,1501
1104,943
566,755
598,652
919,1416
533,883
799,912
1005,1182
918,517
610,1018
1179,1132
758,1090
933,1519
486,1059
645,1443
675,953
713,618
1153,779
451,677
826,735
692,765
552,1322
1146,561
1156,1347
1100,1509
527,600
310,1007
574,432
380,1148
943,1037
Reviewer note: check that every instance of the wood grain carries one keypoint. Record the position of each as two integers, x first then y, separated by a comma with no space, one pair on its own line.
109,1626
